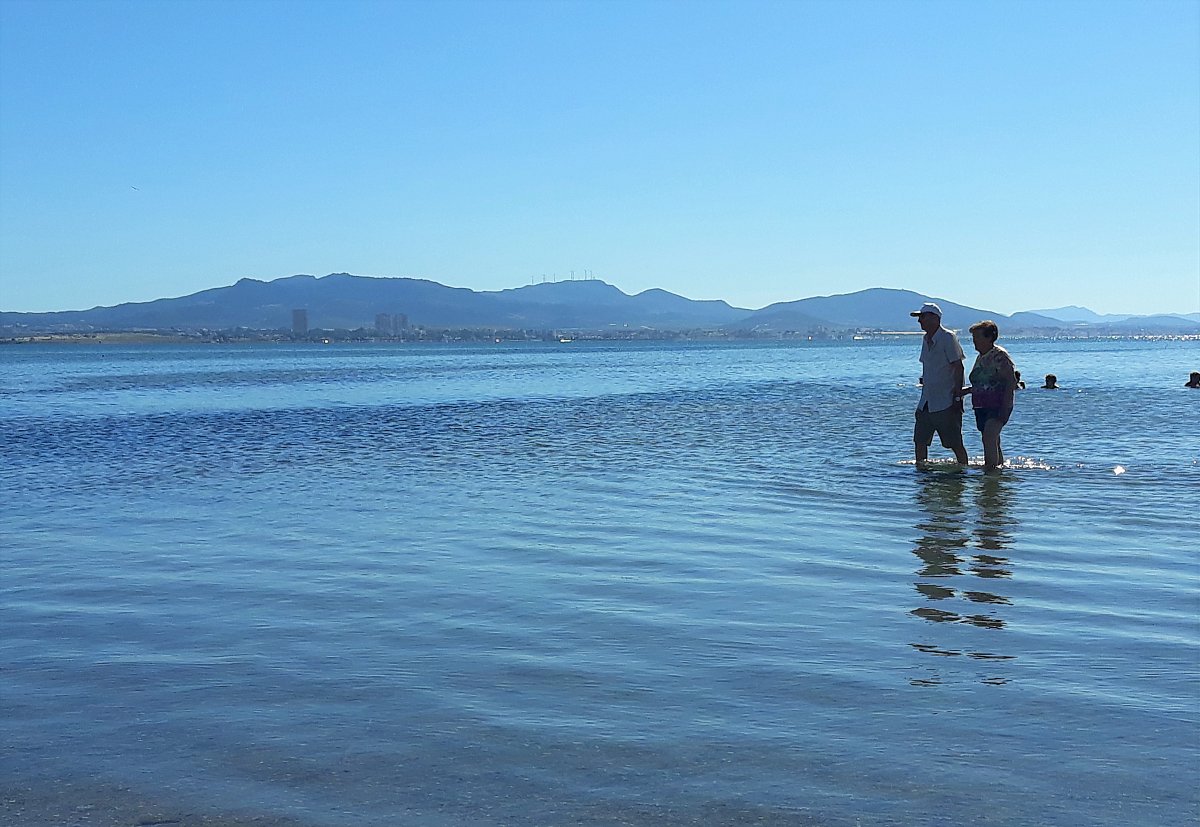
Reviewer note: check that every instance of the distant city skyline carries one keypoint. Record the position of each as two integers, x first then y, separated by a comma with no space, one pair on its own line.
1008,155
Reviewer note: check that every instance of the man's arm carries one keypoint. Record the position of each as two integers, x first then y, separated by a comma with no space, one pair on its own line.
956,373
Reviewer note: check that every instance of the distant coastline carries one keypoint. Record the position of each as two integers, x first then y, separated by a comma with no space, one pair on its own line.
345,307
127,338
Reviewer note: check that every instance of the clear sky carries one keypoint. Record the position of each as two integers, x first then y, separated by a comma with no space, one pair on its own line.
1004,155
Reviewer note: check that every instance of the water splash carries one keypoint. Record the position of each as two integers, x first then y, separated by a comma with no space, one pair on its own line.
1020,463
1028,464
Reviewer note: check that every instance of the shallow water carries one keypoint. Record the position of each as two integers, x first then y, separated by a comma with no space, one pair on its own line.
589,584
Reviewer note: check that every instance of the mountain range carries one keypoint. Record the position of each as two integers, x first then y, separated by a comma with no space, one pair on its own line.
344,301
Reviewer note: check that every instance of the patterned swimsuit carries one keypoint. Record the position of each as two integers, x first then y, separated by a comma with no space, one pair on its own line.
987,379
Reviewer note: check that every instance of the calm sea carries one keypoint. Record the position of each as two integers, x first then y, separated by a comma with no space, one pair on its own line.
552,584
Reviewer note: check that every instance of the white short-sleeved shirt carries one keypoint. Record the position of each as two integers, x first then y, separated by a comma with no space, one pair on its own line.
937,377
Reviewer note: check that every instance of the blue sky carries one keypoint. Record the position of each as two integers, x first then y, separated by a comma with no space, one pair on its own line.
1005,155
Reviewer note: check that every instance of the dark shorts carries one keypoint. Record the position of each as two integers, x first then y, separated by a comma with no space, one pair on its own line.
984,415
946,424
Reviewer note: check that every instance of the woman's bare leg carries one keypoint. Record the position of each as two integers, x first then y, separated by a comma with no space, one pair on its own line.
993,456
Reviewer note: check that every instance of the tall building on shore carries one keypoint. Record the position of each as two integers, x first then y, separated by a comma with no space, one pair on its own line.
300,322
391,324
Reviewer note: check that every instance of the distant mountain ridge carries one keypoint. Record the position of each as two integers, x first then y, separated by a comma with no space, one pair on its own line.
344,301
341,300
1075,313
878,308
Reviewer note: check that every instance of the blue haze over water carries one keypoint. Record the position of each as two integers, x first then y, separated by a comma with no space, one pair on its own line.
540,584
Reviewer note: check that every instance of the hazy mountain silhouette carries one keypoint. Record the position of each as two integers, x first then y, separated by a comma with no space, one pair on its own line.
1075,313
345,301
341,300
878,308
1120,321
594,303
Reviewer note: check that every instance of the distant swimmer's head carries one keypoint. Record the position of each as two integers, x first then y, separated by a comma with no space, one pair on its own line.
1194,380
929,317
1051,382
985,334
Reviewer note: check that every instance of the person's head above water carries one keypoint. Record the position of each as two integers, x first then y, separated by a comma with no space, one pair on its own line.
929,317
1194,380
1051,381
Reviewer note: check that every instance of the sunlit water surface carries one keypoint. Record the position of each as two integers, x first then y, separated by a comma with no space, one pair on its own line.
589,584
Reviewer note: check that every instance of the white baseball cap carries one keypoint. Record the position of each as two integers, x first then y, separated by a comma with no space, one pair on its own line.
928,307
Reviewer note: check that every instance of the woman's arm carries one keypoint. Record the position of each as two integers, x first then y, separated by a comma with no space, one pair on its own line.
1008,373
1008,376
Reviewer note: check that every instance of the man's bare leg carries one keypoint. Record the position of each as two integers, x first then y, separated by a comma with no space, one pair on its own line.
960,450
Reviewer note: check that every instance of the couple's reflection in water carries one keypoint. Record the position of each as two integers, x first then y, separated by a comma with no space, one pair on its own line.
964,532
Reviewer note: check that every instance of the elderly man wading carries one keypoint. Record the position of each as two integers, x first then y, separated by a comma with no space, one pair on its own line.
940,408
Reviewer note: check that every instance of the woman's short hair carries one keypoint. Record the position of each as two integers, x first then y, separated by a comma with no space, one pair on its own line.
988,327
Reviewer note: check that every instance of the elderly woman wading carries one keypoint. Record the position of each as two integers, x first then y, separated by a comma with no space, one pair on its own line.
993,383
